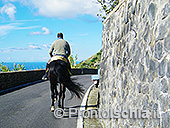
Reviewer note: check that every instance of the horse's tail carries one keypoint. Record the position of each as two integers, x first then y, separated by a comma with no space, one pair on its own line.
73,87
60,71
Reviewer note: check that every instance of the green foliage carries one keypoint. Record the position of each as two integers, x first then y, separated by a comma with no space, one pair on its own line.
107,6
73,60
19,67
92,62
4,68
16,67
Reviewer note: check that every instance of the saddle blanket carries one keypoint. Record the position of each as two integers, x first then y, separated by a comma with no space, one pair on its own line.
58,58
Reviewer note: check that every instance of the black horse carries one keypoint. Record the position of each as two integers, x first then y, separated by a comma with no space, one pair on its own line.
59,75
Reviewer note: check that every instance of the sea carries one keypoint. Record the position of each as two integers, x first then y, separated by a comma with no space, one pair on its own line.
28,65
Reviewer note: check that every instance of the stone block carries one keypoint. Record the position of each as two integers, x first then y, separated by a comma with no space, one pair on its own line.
137,55
147,58
139,88
152,12
161,69
155,107
167,43
156,89
145,103
158,50
165,120
146,35
164,86
145,89
134,4
138,9
152,66
168,70
163,98
166,10
169,102
162,31
142,8
140,71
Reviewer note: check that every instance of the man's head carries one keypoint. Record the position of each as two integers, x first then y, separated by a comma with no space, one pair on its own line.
60,35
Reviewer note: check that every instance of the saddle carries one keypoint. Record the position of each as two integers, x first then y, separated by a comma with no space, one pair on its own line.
56,57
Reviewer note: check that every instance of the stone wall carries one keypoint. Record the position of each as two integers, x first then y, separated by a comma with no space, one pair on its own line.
135,69
13,79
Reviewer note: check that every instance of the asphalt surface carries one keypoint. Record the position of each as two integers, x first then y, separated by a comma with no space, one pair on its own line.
29,107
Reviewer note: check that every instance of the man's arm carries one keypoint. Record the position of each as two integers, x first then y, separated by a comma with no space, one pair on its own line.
51,50
68,51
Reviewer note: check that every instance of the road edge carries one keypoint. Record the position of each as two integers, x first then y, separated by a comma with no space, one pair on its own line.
83,103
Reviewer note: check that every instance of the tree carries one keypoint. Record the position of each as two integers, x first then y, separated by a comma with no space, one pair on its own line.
71,59
107,6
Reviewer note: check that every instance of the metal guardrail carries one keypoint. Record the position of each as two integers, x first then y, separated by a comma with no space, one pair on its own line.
82,71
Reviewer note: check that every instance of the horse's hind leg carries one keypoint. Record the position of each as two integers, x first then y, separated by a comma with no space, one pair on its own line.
56,94
63,97
52,85
60,96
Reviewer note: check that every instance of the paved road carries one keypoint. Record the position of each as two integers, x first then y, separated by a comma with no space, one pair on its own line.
30,107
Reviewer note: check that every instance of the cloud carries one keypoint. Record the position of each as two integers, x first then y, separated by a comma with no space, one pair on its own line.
4,29
34,47
35,33
61,8
29,47
38,47
3,37
46,32
46,46
9,0
65,9
6,50
9,9
19,48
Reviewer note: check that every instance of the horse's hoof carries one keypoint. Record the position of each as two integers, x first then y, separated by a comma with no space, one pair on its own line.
52,108
55,100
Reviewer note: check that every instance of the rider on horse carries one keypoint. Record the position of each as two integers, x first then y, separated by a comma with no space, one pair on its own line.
60,49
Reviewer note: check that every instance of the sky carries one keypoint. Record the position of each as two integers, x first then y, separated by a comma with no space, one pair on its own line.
29,27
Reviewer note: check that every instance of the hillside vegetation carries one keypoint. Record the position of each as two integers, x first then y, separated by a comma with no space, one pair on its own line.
92,62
